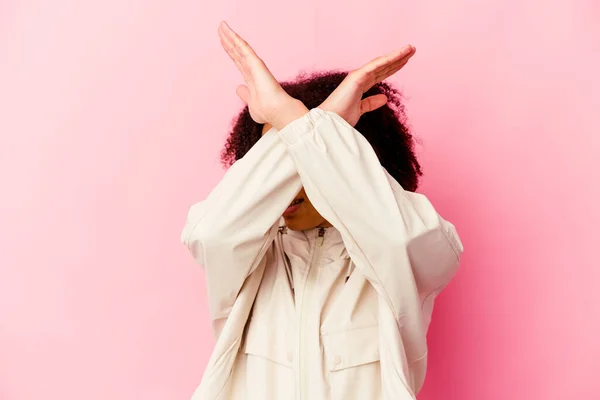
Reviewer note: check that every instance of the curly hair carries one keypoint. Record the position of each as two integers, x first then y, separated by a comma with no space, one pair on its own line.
384,128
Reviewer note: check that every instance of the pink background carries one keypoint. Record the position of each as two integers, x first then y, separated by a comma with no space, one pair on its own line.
112,116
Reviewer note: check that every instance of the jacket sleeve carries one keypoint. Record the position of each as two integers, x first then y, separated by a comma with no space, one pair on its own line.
231,230
395,237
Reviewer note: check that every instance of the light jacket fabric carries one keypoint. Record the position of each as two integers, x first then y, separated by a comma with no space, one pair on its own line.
328,313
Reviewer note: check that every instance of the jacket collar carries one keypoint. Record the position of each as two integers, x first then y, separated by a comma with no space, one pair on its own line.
331,235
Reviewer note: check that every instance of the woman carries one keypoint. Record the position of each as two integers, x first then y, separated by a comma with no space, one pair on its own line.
321,268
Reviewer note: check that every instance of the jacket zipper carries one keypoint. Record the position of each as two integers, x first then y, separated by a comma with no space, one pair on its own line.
306,294
285,259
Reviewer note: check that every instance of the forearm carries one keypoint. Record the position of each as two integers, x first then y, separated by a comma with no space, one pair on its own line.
345,182
289,111
229,232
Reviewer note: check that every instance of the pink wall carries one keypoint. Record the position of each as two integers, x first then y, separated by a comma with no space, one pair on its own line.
112,115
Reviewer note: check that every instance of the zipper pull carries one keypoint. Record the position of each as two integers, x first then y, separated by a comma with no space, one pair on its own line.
321,237
349,271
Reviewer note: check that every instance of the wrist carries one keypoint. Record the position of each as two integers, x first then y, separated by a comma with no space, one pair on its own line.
325,106
289,112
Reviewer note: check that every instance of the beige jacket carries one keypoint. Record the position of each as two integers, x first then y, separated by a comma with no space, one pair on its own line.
334,313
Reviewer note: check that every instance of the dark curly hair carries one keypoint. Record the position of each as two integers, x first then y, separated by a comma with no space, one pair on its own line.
385,128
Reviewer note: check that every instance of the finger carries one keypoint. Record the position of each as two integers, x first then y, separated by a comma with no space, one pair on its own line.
240,51
372,103
233,53
381,63
375,77
240,45
230,51
382,67
371,80
247,61
391,70
228,44
244,93
395,65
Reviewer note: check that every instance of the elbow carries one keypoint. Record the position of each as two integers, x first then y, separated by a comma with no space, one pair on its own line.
199,236
434,256
192,238
451,235
195,233
197,226
205,237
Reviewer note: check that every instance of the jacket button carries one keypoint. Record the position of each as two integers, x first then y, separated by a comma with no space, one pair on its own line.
337,360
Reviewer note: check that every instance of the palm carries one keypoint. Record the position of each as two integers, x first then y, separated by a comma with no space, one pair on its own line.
266,98
346,101
263,94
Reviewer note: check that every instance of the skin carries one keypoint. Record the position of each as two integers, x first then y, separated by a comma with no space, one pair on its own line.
270,105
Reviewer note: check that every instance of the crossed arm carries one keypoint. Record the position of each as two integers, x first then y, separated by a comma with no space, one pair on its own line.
395,237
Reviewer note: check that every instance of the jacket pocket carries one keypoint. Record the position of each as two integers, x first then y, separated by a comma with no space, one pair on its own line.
352,358
269,360
266,342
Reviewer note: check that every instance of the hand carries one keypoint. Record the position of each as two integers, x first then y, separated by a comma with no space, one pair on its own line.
266,99
346,101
